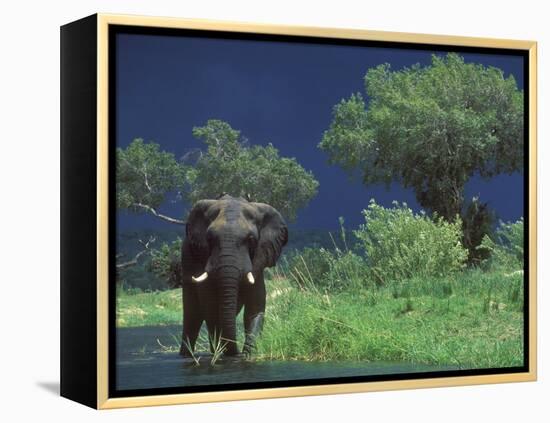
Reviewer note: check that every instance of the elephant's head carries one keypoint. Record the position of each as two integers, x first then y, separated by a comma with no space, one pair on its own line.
229,242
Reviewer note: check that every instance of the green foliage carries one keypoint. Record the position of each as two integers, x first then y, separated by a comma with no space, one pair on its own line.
396,245
400,244
166,262
137,308
229,165
430,129
506,249
349,138
145,175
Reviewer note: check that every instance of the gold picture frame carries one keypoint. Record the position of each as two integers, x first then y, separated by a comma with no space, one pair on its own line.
97,34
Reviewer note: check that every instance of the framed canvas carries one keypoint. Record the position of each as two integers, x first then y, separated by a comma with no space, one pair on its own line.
257,211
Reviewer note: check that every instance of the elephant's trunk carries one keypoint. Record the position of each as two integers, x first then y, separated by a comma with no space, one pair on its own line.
228,292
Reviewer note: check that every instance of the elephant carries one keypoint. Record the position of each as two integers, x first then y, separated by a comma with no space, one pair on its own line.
228,243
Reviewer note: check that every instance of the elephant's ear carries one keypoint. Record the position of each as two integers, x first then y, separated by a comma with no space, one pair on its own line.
195,229
194,251
273,236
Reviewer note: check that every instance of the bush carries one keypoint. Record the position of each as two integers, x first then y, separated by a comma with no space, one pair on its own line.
400,244
166,263
506,246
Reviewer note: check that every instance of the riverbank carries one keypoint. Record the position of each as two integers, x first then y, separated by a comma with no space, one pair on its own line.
471,320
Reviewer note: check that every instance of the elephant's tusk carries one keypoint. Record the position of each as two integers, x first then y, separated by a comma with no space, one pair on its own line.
250,277
200,278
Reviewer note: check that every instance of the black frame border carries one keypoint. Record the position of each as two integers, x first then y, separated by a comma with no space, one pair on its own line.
113,30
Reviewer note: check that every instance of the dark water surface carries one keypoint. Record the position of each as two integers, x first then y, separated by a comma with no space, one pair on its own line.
141,364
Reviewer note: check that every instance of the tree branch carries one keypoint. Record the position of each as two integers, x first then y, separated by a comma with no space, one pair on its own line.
134,261
159,215
146,179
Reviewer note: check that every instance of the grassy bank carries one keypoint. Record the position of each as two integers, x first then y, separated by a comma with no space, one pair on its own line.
137,308
473,319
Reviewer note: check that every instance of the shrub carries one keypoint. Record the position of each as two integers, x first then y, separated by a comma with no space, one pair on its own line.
400,244
166,263
506,246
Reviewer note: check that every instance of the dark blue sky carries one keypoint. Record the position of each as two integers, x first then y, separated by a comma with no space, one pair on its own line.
276,92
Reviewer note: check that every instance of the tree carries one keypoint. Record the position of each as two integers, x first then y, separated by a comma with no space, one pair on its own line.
231,166
430,129
144,177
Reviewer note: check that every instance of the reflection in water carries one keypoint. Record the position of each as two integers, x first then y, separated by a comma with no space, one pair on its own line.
140,365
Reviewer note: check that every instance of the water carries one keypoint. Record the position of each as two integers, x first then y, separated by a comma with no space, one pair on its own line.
141,364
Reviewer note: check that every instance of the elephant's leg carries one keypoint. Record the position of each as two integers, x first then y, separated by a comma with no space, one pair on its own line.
191,328
214,329
253,325
192,321
254,311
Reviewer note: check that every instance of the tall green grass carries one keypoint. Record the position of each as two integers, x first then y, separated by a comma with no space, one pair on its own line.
472,320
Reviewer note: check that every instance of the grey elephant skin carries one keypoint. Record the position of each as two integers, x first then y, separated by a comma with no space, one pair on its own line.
228,244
